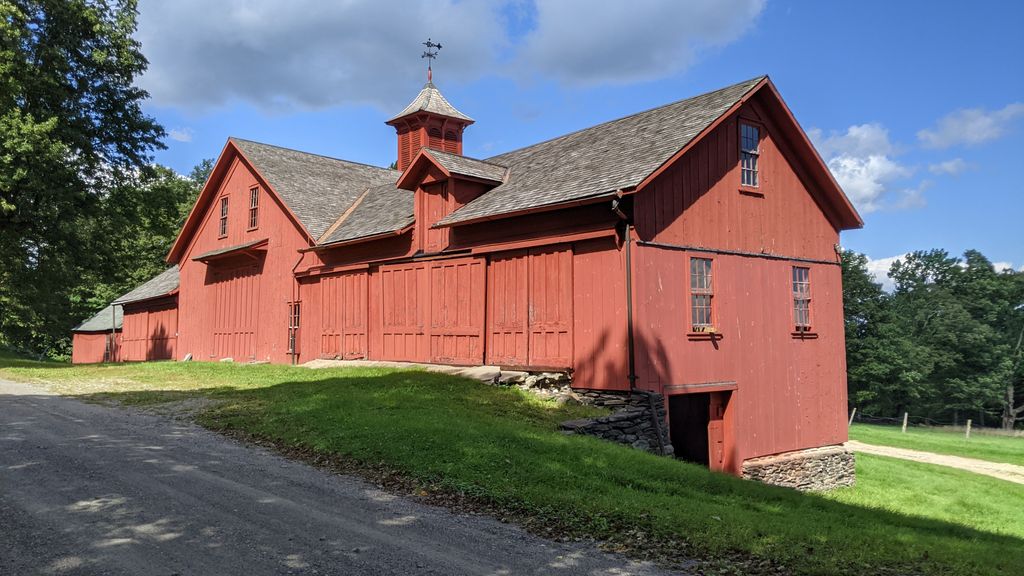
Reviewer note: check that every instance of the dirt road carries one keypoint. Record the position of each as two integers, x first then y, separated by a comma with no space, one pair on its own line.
1010,472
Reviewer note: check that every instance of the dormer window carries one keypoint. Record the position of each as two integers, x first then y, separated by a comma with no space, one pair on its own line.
750,136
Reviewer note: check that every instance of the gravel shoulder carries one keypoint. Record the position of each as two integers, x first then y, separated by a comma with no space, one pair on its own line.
90,489
1010,472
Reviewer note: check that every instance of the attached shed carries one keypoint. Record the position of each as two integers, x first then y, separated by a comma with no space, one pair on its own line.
91,340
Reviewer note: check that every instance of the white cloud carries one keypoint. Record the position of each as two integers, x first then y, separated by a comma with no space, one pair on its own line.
1000,266
861,159
180,134
879,270
583,42
309,53
949,167
970,126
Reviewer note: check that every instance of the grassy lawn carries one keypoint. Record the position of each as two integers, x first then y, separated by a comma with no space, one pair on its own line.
981,446
501,448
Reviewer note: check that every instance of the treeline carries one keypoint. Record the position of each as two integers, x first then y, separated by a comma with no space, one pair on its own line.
945,344
84,214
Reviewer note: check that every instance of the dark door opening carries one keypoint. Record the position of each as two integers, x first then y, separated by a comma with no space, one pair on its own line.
688,416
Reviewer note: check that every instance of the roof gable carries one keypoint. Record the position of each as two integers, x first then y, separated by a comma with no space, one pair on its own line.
384,209
600,160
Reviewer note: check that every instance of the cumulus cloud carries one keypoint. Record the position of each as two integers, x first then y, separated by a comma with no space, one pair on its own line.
311,54
580,42
862,161
970,126
949,167
180,134
879,270
308,53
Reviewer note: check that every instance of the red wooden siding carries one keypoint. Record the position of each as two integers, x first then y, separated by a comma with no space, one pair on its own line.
457,311
149,331
599,316
436,205
507,310
403,302
343,308
235,310
91,347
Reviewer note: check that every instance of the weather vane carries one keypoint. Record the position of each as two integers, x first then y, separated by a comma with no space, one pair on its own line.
430,53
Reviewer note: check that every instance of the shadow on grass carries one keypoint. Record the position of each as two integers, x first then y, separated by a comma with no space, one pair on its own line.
500,450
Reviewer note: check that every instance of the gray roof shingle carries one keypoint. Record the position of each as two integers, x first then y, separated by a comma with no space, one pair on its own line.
467,166
316,188
160,285
384,209
430,99
101,321
599,160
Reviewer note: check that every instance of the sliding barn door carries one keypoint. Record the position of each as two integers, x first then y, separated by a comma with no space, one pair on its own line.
550,308
343,316
507,310
457,311
403,295
235,311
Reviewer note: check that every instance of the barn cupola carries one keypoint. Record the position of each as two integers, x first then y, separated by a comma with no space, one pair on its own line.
429,120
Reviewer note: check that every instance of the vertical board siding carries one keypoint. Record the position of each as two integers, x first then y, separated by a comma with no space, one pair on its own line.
91,347
343,315
235,312
599,316
550,307
457,311
403,334
507,310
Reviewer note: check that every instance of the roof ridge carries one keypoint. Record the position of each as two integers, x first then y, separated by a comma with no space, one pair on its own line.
481,160
313,154
753,81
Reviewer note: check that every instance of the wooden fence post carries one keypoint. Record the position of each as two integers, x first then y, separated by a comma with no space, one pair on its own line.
852,414
905,414
968,428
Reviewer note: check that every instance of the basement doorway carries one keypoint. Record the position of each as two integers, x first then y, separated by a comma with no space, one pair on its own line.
696,427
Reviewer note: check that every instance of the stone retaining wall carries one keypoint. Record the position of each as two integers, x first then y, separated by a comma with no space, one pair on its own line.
815,469
639,422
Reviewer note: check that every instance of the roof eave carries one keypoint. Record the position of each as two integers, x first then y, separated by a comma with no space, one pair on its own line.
359,240
596,199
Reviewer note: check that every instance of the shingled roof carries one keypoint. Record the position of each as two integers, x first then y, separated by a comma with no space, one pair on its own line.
384,209
317,189
160,285
600,160
101,322
466,166
430,99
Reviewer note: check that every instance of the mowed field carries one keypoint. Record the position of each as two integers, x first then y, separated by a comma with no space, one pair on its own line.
983,445
500,450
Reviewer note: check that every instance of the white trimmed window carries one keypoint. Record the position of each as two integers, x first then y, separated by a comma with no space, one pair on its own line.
750,137
701,294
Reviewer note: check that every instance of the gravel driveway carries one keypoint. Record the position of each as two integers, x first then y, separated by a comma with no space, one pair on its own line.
1001,470
87,489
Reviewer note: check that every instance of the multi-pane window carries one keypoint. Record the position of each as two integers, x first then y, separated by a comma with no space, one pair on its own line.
294,313
254,207
701,293
801,298
224,216
749,140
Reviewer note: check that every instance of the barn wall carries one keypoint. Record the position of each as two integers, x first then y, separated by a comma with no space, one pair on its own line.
149,331
599,316
90,347
790,390
698,201
222,302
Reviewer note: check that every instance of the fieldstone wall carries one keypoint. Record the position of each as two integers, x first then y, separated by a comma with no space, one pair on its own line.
813,469
639,421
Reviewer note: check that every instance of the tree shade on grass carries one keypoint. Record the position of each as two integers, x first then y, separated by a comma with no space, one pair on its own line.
502,448
982,446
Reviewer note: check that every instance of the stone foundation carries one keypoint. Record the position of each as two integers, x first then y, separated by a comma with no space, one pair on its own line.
814,469
638,422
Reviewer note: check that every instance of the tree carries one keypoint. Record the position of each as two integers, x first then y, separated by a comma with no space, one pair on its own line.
72,133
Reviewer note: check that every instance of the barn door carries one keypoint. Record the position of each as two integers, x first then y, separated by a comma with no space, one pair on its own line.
402,313
716,430
457,311
343,316
507,310
550,307
236,309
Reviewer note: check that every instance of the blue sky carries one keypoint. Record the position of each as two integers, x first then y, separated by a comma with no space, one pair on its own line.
917,106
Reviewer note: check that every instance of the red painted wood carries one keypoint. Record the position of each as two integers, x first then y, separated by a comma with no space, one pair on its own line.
403,308
457,311
507,309
343,309
599,316
550,307
149,331
90,347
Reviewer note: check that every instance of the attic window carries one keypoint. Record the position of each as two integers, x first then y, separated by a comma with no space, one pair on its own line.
223,217
750,136
254,207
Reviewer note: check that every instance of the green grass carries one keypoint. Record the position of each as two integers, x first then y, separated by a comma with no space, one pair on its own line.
502,447
991,447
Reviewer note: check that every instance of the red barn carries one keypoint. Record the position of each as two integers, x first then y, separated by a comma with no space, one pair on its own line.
689,250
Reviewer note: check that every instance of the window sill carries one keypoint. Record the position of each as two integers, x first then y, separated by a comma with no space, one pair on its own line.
710,336
253,229
801,335
749,191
